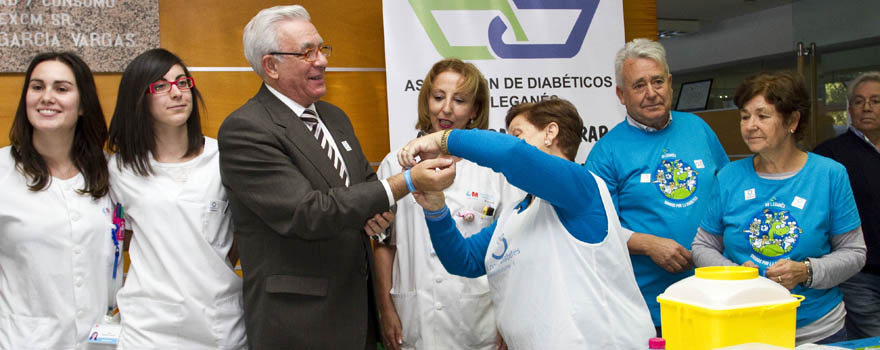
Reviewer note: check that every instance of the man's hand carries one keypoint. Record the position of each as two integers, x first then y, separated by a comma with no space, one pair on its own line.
378,223
664,252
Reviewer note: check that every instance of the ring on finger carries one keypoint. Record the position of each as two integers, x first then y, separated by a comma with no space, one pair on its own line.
779,278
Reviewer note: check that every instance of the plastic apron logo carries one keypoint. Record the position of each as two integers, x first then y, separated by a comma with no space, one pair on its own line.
497,28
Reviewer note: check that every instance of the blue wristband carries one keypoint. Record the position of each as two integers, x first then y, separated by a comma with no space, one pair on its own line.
436,215
407,177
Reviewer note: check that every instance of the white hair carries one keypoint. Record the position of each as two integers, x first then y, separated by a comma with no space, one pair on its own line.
862,78
261,36
639,48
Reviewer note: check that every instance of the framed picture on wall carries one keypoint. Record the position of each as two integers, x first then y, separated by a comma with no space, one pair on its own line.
694,96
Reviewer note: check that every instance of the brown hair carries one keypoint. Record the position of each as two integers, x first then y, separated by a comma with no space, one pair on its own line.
784,90
131,129
90,133
474,84
562,112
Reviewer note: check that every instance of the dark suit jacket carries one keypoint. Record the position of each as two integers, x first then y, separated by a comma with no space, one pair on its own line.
305,258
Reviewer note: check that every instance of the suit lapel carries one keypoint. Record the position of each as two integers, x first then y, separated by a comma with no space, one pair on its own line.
300,137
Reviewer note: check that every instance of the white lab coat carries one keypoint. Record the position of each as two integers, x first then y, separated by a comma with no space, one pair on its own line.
56,260
181,291
438,310
552,291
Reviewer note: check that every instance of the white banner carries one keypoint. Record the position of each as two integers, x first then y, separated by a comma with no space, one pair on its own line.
528,50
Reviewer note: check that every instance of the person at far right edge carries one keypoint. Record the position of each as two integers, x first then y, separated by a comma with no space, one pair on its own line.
859,151
660,167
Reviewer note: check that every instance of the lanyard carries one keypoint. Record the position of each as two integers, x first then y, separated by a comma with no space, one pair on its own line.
117,234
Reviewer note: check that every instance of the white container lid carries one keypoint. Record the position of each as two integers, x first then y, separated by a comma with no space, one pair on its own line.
725,288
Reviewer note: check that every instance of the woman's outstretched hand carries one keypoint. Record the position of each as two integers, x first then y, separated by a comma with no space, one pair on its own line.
433,174
425,147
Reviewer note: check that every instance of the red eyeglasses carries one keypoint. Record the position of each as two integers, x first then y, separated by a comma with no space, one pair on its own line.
164,86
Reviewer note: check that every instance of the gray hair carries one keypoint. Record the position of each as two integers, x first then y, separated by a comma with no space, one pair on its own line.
260,34
862,78
639,48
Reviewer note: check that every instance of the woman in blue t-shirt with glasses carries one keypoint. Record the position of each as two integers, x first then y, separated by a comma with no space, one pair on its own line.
789,213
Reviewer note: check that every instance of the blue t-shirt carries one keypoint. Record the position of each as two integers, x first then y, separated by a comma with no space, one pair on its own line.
764,220
660,182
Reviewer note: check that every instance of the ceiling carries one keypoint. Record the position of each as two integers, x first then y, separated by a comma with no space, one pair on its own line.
712,10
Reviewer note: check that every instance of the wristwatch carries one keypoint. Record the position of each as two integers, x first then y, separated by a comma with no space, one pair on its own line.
809,266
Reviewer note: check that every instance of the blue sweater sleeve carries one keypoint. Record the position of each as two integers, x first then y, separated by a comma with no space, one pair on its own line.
459,256
568,186
559,181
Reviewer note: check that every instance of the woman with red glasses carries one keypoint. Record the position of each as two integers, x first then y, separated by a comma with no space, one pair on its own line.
181,291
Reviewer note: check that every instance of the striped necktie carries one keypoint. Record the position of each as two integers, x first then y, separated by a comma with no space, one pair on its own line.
311,121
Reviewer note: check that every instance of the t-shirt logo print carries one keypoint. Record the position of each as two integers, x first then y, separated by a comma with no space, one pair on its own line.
676,179
773,232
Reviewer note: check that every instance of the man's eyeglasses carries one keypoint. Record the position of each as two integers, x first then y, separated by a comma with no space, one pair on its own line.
872,102
163,86
309,55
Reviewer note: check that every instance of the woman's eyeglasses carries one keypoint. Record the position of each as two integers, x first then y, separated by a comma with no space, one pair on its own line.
164,86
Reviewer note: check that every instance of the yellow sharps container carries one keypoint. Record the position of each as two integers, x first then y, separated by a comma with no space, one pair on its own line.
727,305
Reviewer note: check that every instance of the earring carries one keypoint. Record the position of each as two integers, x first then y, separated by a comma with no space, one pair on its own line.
546,142
791,131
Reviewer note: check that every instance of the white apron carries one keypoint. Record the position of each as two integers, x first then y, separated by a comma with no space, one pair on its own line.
552,291
181,291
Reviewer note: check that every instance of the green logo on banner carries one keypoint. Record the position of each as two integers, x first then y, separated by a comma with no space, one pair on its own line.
497,27
423,10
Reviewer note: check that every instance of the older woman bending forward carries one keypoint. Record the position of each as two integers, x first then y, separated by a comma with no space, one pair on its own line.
557,265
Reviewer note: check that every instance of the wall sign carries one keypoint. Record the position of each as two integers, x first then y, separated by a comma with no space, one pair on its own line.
106,33
528,50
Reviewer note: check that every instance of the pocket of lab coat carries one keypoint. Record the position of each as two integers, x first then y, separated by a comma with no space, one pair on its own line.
149,324
410,319
227,321
216,224
477,319
26,332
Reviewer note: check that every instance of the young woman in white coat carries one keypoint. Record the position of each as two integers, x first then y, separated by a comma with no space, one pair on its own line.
57,251
181,291
422,305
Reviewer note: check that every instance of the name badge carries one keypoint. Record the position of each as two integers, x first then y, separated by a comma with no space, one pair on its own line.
347,147
750,194
105,333
699,163
646,178
798,202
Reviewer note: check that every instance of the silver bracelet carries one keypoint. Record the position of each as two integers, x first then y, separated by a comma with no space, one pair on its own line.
809,266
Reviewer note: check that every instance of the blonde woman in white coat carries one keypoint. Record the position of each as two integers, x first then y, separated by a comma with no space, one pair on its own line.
422,305
181,291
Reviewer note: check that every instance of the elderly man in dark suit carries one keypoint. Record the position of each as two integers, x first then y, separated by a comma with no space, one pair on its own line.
302,195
